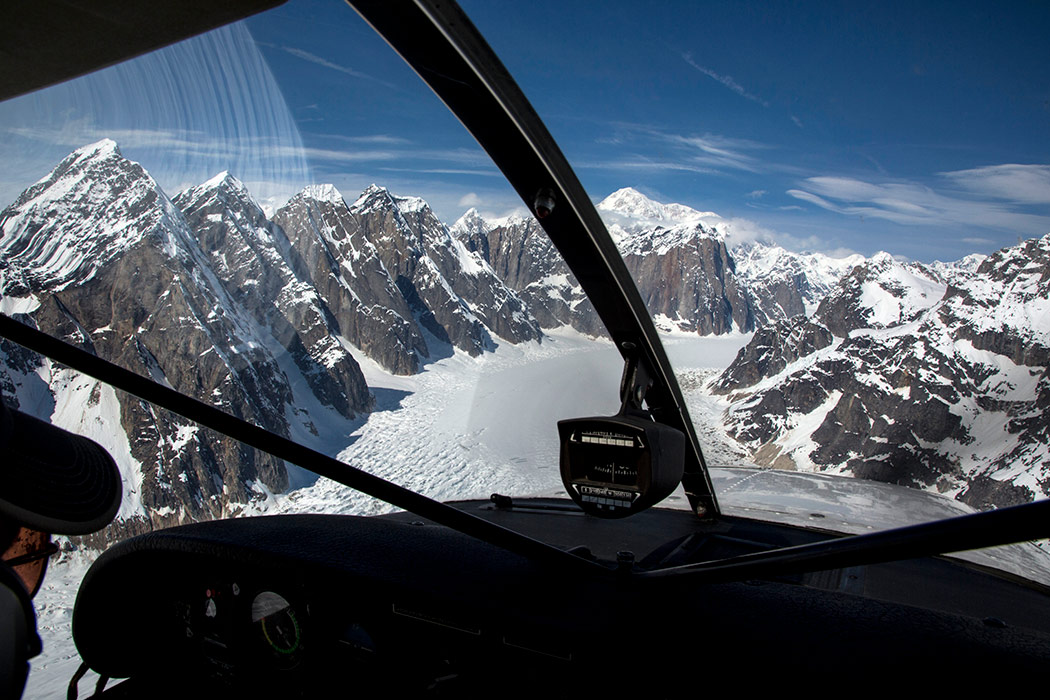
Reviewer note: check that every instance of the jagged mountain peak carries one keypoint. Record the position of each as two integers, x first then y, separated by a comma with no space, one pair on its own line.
411,205
324,193
882,260
224,185
786,283
658,240
104,148
1030,255
1005,303
221,179
375,198
58,233
879,293
470,223
631,209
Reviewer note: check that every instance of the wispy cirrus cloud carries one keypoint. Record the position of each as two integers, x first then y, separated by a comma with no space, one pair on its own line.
724,80
644,147
911,203
80,132
318,60
1028,184
444,171
371,139
721,151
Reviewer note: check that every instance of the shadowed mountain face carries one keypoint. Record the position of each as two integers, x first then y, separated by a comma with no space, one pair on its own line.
345,269
97,254
255,316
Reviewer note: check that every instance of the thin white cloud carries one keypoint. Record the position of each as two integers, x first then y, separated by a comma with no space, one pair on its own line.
81,132
641,163
1029,184
724,80
341,156
373,139
470,199
756,194
313,58
720,151
444,171
813,199
911,203
645,147
476,160
798,122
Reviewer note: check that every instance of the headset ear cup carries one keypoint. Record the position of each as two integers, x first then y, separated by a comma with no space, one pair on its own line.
19,640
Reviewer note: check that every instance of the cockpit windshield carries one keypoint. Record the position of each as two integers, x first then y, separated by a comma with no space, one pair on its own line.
839,220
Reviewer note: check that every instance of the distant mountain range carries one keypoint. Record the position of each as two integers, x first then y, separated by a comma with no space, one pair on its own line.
933,375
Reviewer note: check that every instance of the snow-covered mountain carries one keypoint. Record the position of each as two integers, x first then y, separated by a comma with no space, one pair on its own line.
783,283
628,211
695,279
678,256
96,254
345,268
904,376
453,291
522,255
254,315
930,375
257,265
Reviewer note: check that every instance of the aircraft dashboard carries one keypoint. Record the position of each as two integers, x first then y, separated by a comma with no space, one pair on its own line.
294,606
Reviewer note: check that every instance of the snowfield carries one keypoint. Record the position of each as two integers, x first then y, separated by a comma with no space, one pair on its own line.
470,427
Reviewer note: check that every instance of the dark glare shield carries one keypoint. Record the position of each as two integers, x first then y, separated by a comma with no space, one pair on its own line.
617,466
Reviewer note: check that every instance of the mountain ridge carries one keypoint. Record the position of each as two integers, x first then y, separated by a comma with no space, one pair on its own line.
267,308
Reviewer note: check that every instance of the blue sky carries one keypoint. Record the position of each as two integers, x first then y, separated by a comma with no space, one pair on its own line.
918,128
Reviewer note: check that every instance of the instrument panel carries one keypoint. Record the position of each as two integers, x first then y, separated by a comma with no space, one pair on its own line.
294,606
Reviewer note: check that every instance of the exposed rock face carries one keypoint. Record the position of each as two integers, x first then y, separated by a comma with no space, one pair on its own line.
684,270
454,292
924,384
98,255
679,260
256,262
345,268
520,253
771,350
688,279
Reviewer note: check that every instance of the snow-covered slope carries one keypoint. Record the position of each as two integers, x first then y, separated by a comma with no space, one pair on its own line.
784,283
163,307
928,375
628,210
905,378
91,209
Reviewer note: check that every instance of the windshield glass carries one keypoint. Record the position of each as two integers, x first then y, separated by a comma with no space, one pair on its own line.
280,219
855,198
